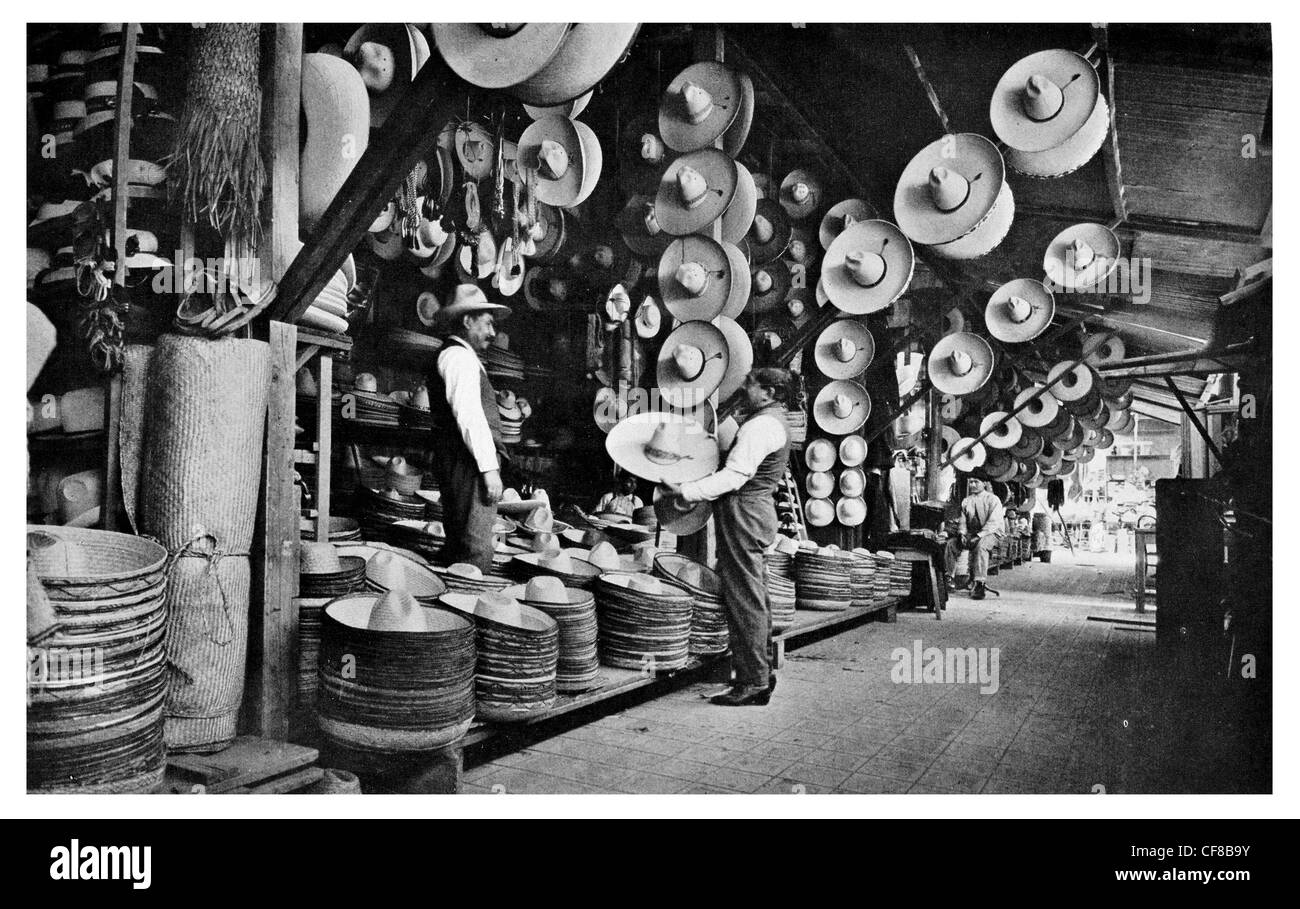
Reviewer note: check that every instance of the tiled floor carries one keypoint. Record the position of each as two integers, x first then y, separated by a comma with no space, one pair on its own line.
1077,709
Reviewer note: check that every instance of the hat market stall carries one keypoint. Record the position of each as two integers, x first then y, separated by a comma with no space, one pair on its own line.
647,212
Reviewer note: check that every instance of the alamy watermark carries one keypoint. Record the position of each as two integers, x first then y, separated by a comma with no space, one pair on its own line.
923,665
55,667
1122,276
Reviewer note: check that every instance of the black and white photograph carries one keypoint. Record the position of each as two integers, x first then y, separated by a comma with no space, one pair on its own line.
667,409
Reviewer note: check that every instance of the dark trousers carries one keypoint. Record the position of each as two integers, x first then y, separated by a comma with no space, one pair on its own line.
466,517
746,528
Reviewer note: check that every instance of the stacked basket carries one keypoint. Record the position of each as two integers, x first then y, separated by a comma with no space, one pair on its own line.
645,623
822,579
709,634
96,686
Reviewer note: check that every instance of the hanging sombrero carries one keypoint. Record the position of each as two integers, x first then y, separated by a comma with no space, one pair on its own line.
844,349
692,363
387,55
842,215
960,363
695,278
586,55
694,191
699,105
662,448
841,407
954,198
800,194
498,55
1019,311
769,232
868,267
1049,111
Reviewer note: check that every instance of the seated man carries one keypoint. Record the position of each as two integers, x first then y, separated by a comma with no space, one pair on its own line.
620,502
978,530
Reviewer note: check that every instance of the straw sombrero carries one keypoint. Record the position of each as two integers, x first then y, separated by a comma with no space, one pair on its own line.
570,109
692,363
953,196
587,54
1100,350
1043,412
1081,256
1074,386
853,482
800,194
740,357
769,233
553,147
1019,311
867,267
820,454
851,511
699,105
960,363
1049,111
844,349
694,191
498,55
853,451
335,106
548,233
966,454
741,281
739,216
695,278
819,484
769,287
841,407
639,229
663,448
1006,436
819,512
388,55
687,519
842,215
649,319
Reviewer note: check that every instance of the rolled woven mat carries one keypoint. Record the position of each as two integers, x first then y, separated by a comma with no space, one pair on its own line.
202,456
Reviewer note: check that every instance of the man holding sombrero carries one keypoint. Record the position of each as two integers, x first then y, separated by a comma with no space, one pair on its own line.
468,448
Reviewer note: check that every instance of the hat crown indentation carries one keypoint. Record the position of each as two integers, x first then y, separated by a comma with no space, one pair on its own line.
962,362
1019,309
762,281
1082,253
693,277
552,160
842,405
800,192
866,268
949,190
697,103
1042,98
652,148
692,185
845,350
689,360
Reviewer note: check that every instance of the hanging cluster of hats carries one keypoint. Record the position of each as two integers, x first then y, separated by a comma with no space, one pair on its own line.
72,98
836,498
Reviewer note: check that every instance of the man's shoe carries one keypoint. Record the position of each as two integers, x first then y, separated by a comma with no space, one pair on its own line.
978,593
950,584
743,696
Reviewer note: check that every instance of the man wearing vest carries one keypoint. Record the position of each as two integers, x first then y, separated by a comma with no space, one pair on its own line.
468,451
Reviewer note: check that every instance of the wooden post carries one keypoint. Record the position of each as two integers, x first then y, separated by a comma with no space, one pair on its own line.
325,444
281,102
277,672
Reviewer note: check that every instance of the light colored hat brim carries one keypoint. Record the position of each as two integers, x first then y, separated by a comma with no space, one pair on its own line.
819,454
648,327
800,210
998,318
819,484
1081,89
740,357
782,231
563,131
819,512
410,52
626,445
833,221
593,160
586,55
966,454
488,61
733,140
968,154
713,343
939,363
1085,383
1070,155
630,222
853,451
1099,350
316,317
851,511
571,109
720,176
741,281
825,416
824,349
739,216
1104,243
1011,433
715,260
868,236
950,437
723,85
448,314
853,482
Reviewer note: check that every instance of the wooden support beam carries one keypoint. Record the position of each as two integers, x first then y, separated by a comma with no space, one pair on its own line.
276,576
406,137
1195,420
281,103
325,444
1110,151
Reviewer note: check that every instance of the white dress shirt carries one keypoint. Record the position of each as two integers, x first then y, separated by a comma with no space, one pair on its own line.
461,371
758,437
984,512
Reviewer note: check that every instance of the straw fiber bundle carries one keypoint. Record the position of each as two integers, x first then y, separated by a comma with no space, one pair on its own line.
205,419
217,166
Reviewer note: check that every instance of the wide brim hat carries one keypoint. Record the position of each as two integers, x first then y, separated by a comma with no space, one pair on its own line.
740,357
679,390
966,454
940,367
1041,412
720,178
872,237
571,108
676,521
649,320
819,454
782,230
819,484
1080,90
851,511
480,303
567,190
586,55
1006,436
826,349
737,134
739,216
853,451
726,90
852,482
999,318
552,244
335,105
800,210
1075,385
717,265
824,413
410,52
474,262
971,156
1101,350
499,58
832,224
631,224
741,281
1058,260
694,454
763,302
819,512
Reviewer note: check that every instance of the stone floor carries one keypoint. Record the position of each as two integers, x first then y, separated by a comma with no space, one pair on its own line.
1078,708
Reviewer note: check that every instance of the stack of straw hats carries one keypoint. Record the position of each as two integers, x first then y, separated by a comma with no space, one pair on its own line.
822,579
645,623
778,565
574,611
709,634
324,573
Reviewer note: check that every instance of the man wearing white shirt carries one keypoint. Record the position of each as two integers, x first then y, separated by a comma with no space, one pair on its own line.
982,521
468,450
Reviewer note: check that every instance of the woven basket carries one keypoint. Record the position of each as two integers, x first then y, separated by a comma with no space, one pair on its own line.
77,564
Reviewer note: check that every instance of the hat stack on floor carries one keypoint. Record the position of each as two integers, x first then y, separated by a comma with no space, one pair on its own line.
386,571
512,413
574,611
778,565
369,406
709,634
462,577
862,571
395,676
380,509
565,564
900,574
324,573
823,579
311,615
518,653
645,623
